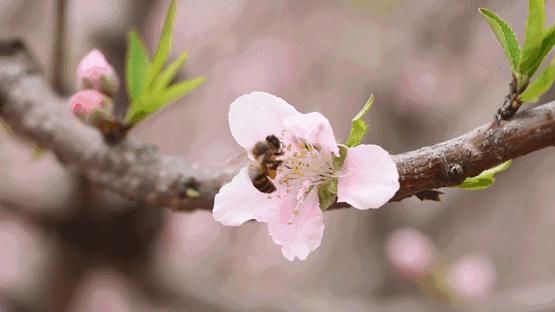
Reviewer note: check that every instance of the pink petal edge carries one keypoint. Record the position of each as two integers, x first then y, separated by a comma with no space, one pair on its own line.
256,115
305,233
314,128
239,201
369,177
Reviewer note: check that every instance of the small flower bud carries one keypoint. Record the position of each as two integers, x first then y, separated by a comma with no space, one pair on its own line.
410,252
94,72
471,277
89,104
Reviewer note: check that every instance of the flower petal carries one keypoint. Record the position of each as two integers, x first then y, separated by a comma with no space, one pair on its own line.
239,201
256,115
314,128
298,234
369,177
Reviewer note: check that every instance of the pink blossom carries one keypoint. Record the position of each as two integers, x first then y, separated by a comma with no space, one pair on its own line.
410,252
87,104
96,73
103,290
471,277
368,178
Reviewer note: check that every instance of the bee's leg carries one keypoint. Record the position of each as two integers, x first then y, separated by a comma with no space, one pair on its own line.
275,164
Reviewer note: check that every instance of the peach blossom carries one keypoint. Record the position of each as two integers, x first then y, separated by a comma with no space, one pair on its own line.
410,252
368,178
471,277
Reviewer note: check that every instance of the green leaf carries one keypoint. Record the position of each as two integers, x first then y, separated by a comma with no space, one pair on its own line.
338,161
533,63
327,194
136,65
157,101
506,37
136,116
484,179
164,46
531,49
167,75
173,93
541,85
359,127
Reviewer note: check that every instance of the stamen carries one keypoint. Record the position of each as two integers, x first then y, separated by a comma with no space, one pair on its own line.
303,169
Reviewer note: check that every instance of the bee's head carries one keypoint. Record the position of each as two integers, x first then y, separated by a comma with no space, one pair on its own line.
274,142
261,148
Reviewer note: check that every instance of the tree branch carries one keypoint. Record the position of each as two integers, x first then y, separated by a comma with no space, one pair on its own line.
138,172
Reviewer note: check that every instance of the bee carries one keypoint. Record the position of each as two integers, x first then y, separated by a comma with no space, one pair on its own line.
266,163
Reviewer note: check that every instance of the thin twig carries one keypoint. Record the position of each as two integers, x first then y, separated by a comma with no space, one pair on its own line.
58,54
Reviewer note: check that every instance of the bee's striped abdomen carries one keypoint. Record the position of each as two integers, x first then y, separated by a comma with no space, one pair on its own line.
260,180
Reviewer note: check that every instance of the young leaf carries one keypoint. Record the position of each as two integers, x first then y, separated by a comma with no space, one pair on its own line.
541,85
547,44
531,49
175,92
157,101
506,37
359,127
164,46
484,179
136,65
167,75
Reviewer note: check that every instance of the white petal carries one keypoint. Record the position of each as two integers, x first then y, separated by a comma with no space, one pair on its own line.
256,115
298,234
369,177
314,128
239,201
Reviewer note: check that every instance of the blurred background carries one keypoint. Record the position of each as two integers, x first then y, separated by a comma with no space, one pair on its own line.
436,71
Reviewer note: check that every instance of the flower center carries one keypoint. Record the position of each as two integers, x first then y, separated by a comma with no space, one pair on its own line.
304,167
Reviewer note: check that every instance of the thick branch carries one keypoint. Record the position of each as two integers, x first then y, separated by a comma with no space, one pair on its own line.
139,172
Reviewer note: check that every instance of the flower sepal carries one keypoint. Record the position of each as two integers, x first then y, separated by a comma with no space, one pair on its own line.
96,109
327,192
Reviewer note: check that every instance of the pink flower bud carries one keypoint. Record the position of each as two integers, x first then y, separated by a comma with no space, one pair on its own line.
94,72
88,103
410,252
471,277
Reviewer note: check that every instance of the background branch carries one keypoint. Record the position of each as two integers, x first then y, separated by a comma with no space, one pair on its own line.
59,48
139,172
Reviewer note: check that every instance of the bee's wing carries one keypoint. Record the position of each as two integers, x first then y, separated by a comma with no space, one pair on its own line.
236,160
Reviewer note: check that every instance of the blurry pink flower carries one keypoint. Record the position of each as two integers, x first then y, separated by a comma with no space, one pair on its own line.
368,179
87,103
103,290
471,277
96,73
410,252
15,240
